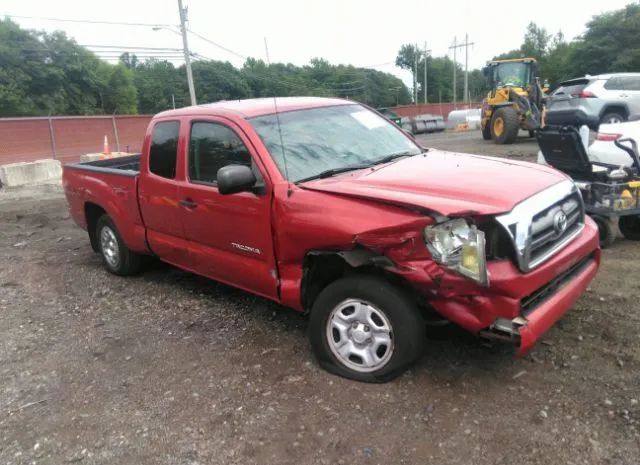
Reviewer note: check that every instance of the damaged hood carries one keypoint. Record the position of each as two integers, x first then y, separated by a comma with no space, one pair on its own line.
446,183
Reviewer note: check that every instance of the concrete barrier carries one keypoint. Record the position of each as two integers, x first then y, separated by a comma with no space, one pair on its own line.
39,171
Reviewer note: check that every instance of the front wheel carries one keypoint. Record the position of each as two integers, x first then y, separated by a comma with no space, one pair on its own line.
630,227
505,125
365,328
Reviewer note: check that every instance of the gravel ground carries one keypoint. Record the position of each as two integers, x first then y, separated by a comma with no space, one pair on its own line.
524,148
170,368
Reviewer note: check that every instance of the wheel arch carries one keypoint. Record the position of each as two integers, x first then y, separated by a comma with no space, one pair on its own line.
92,212
614,107
323,267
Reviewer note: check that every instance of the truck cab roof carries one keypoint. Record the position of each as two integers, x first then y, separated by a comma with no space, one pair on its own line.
249,108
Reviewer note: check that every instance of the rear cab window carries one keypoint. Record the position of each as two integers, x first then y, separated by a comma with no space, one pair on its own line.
163,152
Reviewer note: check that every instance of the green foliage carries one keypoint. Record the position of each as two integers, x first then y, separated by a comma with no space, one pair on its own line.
120,95
218,80
159,85
43,74
610,43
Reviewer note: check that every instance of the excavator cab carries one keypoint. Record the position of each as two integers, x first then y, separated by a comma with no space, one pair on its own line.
514,101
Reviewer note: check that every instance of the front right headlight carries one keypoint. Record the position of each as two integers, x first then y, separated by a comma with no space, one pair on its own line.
460,247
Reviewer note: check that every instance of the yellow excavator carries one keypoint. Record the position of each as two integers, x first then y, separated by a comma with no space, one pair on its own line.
514,101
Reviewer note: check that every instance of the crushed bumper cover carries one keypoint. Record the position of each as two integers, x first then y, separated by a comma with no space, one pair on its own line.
547,305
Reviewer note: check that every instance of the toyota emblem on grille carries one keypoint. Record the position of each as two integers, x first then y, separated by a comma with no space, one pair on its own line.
560,222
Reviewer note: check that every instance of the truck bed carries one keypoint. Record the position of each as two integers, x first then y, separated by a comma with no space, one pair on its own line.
109,186
125,166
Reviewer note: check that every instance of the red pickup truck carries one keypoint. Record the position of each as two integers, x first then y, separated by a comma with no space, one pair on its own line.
326,207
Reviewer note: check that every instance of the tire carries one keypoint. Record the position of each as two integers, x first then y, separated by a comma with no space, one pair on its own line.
505,125
486,131
612,117
358,304
630,227
116,256
607,234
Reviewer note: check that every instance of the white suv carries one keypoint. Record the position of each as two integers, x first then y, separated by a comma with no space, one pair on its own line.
603,99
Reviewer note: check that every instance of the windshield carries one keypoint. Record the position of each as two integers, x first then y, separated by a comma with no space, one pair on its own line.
511,74
318,140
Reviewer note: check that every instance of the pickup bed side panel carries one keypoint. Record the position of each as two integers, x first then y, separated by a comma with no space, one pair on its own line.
114,193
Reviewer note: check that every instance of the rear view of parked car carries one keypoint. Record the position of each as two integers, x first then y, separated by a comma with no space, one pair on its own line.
603,99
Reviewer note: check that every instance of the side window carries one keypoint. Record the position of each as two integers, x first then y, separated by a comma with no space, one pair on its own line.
211,147
164,149
614,83
631,83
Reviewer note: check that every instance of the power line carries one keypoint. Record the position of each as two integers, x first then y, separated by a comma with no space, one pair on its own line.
222,47
87,21
132,47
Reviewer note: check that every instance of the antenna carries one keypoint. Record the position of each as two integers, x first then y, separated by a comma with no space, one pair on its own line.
275,104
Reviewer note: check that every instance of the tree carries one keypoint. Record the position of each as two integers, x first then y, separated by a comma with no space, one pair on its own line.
120,95
43,74
159,85
610,43
536,41
218,80
439,75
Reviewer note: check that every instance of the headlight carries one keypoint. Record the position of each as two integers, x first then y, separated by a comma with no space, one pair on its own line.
460,247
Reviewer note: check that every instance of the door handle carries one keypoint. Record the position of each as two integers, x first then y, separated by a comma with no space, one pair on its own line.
188,203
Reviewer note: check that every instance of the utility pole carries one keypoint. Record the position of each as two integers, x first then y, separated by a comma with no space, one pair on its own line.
415,74
455,46
466,68
426,54
187,56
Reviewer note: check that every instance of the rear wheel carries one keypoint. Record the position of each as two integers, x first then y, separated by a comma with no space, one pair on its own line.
116,256
505,125
630,227
605,230
365,328
612,117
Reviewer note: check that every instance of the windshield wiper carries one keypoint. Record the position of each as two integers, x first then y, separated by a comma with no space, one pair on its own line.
332,172
393,156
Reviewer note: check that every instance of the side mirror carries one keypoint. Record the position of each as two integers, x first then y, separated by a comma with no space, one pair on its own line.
235,178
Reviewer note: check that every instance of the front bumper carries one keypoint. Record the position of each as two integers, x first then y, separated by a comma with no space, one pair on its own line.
531,302
554,300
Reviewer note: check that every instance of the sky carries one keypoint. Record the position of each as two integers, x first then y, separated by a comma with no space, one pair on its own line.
359,32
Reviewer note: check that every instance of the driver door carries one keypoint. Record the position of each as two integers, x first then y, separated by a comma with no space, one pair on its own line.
229,236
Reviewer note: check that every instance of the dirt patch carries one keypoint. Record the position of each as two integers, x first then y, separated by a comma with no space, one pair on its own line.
170,368
524,148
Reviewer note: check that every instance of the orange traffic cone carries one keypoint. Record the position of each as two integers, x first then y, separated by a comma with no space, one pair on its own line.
105,149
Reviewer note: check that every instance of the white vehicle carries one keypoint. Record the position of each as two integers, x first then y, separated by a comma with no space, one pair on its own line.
604,150
607,98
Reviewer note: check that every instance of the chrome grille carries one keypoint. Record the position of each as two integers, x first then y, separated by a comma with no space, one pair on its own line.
543,224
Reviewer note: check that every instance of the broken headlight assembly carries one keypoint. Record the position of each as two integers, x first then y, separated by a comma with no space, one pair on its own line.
460,247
